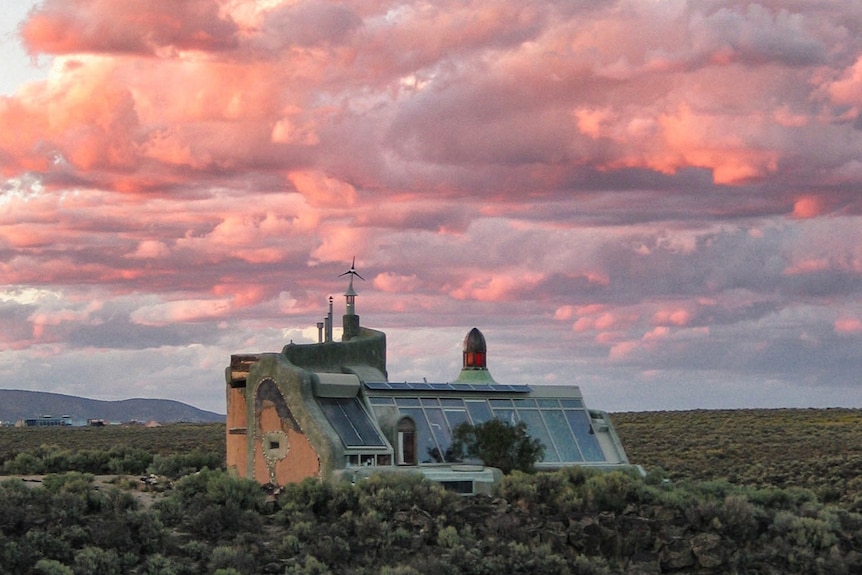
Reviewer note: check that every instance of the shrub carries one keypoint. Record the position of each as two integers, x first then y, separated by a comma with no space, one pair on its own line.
158,564
182,464
52,567
612,491
213,505
95,560
311,565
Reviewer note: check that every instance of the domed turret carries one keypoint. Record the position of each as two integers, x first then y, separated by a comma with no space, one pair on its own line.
475,350
475,366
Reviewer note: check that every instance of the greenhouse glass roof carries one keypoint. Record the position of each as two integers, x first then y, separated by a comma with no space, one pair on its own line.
562,425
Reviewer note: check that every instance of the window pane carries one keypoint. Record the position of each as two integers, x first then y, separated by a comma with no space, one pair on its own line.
425,445
572,403
562,435
440,429
452,402
407,402
455,417
507,415
350,422
479,411
586,440
381,400
536,429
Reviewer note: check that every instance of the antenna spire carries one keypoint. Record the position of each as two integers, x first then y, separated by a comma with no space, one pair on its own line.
351,320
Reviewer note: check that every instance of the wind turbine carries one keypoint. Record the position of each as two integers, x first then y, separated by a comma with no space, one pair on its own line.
352,271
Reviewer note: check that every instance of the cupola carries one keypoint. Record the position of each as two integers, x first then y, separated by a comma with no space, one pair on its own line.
475,366
475,350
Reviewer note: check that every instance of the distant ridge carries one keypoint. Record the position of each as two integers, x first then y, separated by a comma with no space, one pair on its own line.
16,404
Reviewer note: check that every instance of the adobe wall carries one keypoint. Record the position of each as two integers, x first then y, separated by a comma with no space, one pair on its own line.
281,410
368,348
237,429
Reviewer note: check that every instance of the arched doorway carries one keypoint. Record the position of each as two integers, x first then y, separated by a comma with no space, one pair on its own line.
406,441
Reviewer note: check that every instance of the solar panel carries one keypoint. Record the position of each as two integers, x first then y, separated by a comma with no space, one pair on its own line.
460,387
375,385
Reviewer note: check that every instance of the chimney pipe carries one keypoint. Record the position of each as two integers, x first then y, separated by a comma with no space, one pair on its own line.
329,322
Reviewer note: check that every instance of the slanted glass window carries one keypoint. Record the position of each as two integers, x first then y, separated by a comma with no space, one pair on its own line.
560,431
504,410
381,401
537,430
350,421
441,432
451,402
479,411
561,424
427,450
455,416
580,423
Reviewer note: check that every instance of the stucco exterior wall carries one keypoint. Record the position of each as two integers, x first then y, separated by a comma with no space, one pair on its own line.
368,348
294,460
237,429
286,439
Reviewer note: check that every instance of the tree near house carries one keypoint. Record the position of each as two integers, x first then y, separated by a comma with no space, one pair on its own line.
497,443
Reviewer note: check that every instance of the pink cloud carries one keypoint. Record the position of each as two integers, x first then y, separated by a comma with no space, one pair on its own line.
150,249
565,312
623,350
848,325
808,267
63,27
321,190
806,207
181,311
658,333
495,288
847,90
395,283
639,172
677,317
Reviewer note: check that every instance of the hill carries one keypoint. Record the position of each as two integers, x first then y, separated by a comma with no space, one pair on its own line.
18,404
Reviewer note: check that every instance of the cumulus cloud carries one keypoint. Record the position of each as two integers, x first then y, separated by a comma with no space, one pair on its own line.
626,193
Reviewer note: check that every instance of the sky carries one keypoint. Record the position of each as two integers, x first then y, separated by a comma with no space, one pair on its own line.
657,201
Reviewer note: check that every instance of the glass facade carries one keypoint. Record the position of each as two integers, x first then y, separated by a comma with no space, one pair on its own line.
562,425
351,422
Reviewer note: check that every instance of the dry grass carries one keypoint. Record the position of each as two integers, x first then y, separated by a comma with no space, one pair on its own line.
818,449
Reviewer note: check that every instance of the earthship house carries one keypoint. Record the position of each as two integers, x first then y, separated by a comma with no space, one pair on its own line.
328,410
